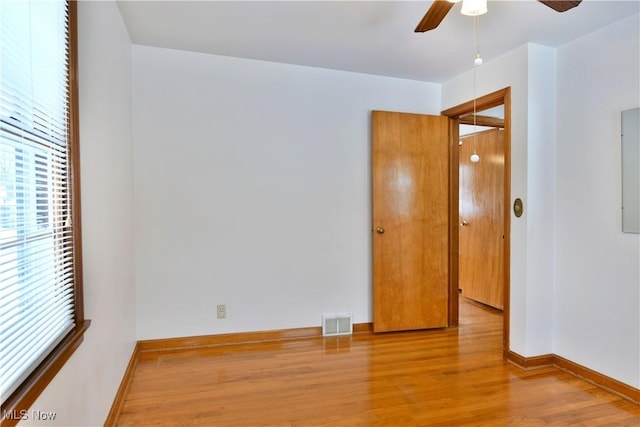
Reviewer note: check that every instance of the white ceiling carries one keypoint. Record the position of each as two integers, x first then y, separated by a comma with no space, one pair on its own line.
373,37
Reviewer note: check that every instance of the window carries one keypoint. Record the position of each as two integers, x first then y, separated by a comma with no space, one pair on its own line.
41,315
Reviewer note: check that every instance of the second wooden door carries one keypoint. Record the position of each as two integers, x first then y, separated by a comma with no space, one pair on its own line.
481,271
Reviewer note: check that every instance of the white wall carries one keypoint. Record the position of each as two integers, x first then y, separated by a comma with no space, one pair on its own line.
252,189
83,391
597,266
541,143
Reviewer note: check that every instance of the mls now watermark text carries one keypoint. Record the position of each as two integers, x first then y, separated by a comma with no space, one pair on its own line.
24,415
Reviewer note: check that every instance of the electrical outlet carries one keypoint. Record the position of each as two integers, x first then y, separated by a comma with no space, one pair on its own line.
221,311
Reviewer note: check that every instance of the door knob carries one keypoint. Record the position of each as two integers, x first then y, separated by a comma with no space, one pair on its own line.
463,223
380,230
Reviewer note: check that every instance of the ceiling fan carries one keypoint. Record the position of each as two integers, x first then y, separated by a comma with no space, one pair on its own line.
440,8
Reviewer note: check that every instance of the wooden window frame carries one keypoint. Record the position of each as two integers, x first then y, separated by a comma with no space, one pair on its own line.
16,406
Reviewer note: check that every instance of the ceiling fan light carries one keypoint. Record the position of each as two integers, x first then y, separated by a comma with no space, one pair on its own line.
453,1
474,7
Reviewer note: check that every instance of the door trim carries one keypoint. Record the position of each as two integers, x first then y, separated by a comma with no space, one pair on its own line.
493,99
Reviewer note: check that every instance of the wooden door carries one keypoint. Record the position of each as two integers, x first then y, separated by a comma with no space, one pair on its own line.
481,247
410,154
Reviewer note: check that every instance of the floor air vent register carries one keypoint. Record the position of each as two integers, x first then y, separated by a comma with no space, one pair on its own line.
334,324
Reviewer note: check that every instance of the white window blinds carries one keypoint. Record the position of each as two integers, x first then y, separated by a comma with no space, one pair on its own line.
36,241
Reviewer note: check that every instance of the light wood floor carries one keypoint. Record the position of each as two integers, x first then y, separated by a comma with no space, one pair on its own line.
427,378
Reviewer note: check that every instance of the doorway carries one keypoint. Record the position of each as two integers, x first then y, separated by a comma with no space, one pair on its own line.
461,115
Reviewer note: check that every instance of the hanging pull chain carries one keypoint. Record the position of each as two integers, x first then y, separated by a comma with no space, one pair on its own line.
476,62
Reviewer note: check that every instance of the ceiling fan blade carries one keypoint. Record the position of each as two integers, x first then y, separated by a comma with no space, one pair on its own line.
561,5
434,16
